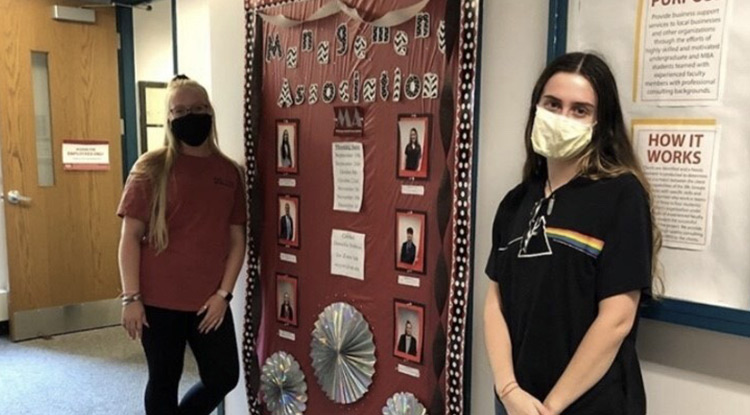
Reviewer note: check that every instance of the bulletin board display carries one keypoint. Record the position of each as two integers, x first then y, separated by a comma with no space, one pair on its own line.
359,138
682,78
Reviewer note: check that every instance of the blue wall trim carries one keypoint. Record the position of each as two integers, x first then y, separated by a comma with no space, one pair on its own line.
127,88
708,317
557,33
721,319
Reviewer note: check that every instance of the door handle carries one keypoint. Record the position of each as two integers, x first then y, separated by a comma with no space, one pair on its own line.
16,198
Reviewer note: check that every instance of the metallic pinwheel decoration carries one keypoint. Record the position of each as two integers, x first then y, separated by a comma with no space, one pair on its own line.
283,385
343,353
403,403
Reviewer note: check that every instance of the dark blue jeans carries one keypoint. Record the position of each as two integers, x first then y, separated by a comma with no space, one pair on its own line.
499,408
215,353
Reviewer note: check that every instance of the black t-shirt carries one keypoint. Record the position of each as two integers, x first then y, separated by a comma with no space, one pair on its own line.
554,259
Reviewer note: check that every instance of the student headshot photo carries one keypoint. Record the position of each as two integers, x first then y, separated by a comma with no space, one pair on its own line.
413,145
407,343
413,152
410,241
287,311
408,330
286,299
287,146
408,248
288,229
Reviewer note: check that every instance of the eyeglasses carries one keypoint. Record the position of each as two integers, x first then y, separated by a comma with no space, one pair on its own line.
183,111
542,209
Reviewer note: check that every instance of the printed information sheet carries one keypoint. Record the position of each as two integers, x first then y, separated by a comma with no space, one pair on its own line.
681,52
678,159
348,176
348,254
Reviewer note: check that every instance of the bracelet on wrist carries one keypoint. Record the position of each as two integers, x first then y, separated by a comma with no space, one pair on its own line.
508,391
507,386
130,298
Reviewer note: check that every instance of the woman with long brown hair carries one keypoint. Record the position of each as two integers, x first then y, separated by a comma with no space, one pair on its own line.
573,254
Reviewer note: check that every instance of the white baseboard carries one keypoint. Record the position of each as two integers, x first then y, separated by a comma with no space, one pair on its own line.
3,305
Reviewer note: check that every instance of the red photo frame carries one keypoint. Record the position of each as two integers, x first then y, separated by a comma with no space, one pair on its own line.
408,330
287,146
414,136
288,226
287,299
411,241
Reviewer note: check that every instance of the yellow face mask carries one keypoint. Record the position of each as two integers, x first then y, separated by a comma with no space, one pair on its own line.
558,137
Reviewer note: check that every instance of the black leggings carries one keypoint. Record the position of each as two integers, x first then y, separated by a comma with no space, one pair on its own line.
164,344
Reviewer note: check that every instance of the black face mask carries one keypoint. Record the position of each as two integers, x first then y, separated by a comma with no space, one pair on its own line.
192,129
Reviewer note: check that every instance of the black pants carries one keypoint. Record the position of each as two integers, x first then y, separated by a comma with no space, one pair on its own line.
164,344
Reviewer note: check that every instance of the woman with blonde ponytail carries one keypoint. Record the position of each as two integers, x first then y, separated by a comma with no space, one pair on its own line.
181,248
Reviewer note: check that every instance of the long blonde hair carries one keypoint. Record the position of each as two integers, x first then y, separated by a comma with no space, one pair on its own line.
156,165
610,153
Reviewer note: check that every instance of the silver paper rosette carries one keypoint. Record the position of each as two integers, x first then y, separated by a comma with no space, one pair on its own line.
403,403
343,353
283,385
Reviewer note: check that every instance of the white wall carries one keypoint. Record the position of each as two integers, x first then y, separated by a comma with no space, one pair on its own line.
513,53
193,39
227,65
211,49
687,371
153,42
227,45
690,371
152,38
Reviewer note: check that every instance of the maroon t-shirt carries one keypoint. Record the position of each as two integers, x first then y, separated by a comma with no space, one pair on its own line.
205,196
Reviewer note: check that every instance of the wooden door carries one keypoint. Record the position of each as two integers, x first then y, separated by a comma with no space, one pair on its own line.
62,240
